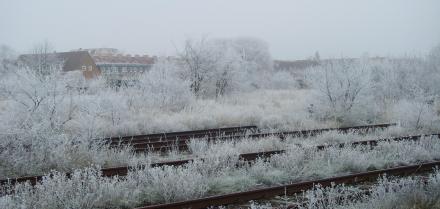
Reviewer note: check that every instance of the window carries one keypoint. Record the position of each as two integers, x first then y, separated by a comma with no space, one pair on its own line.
84,68
90,68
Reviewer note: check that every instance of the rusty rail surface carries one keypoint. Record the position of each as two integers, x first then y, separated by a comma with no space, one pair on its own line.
123,170
182,144
291,189
180,135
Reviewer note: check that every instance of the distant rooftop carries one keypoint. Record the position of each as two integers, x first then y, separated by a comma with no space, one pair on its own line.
100,51
113,56
294,65
304,64
123,59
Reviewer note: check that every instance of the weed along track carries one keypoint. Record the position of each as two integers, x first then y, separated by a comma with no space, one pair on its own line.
180,142
230,179
160,137
219,122
290,189
246,157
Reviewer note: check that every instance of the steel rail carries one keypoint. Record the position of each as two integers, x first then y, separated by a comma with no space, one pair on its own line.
363,191
294,188
182,134
123,170
239,133
181,143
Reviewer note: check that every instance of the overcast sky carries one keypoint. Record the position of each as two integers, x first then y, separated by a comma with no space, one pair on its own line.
294,29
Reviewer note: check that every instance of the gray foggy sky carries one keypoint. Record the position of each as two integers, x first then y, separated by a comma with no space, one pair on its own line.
294,29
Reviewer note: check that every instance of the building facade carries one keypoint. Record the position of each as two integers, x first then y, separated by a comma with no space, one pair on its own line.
120,69
115,68
62,61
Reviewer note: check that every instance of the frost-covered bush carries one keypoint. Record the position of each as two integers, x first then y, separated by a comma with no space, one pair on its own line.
104,112
84,189
389,192
216,67
407,91
215,175
38,111
36,101
170,184
258,63
416,115
405,193
52,151
163,87
342,89
284,80
49,120
26,155
367,90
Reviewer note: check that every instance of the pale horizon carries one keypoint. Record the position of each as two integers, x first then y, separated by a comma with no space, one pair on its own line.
293,29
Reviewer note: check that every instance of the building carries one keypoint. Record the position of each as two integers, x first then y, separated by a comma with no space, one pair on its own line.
116,68
64,61
297,65
120,69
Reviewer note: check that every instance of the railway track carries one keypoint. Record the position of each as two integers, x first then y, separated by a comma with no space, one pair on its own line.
181,143
151,138
291,189
297,201
123,170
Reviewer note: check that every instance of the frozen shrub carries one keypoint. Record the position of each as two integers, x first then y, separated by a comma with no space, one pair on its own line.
284,80
342,89
48,120
164,87
84,189
169,183
416,115
405,193
260,206
39,101
367,90
59,152
215,175
216,67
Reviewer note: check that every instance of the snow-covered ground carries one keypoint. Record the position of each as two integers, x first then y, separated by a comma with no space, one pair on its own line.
48,125
215,175
389,192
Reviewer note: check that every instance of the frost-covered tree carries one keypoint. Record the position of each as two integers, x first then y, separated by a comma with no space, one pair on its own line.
340,86
217,66
255,52
222,78
369,89
257,62
197,59
432,74
164,87
36,99
42,60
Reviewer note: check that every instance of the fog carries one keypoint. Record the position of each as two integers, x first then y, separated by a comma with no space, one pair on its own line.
78,124
293,29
